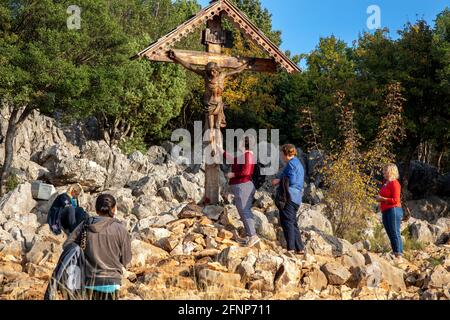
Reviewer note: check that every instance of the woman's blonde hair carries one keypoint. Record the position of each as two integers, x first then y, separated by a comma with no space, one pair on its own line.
289,150
75,188
392,171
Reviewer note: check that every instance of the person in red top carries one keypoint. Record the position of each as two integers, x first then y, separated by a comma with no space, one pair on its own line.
240,180
391,208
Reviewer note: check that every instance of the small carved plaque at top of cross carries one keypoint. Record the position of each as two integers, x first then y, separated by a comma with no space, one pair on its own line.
223,38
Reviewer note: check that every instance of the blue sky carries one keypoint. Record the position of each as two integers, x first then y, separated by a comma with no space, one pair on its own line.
303,22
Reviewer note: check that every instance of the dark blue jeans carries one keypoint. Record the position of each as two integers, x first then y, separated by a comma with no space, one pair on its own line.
288,221
392,220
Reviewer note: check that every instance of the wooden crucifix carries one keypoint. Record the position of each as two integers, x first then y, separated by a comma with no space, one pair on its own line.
215,68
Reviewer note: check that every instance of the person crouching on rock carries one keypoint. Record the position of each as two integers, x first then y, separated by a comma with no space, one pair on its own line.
65,214
289,197
391,208
108,250
240,180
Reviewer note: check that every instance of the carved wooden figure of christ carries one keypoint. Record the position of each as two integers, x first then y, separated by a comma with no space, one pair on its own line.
214,85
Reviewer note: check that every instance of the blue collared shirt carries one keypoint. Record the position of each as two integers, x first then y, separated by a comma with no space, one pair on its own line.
296,173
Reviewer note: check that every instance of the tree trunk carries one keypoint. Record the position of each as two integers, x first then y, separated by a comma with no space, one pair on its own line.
439,161
2,138
14,123
9,150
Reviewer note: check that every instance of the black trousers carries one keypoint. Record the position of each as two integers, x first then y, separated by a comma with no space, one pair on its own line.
288,220
71,218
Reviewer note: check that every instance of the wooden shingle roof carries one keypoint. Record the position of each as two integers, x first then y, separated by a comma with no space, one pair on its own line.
239,20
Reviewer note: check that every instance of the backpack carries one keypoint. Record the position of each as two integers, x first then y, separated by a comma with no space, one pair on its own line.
70,218
258,178
54,214
69,275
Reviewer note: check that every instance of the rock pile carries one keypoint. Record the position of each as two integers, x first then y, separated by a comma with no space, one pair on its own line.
185,251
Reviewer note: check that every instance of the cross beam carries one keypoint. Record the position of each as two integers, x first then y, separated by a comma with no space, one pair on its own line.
203,58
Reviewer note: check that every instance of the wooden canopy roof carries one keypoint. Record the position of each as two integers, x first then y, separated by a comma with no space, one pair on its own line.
239,20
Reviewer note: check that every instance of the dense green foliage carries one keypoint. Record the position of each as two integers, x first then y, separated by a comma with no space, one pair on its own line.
418,60
88,72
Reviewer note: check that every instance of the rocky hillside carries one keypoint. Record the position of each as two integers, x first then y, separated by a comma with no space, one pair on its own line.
183,251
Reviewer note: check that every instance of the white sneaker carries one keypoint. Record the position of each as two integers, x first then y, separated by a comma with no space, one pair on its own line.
398,259
252,241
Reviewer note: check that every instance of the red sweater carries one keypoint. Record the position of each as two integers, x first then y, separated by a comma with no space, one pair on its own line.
391,191
243,172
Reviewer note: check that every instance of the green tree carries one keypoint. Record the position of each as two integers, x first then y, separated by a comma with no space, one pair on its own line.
330,68
441,43
87,71
418,66
36,50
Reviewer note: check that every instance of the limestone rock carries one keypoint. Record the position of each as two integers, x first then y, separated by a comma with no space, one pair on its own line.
336,273
9,245
208,278
429,209
312,217
146,254
263,227
392,275
362,245
262,281
287,277
213,212
154,235
312,195
18,201
246,268
225,234
146,186
168,243
209,231
184,190
42,252
444,223
267,261
155,222
165,193
37,133
191,211
230,217
157,155
421,232
232,256
116,164
263,200
439,278
316,280
139,162
320,243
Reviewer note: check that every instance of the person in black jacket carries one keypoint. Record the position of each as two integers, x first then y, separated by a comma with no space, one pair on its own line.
65,214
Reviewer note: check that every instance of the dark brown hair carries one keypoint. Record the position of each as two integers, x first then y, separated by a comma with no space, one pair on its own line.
105,204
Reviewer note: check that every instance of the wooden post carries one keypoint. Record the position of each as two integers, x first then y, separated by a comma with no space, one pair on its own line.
212,172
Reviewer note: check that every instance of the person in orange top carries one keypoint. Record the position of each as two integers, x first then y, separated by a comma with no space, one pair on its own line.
391,207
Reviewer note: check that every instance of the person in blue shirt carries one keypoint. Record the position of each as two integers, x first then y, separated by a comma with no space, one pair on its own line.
290,181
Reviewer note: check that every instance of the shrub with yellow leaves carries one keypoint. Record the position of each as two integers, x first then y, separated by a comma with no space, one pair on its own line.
349,172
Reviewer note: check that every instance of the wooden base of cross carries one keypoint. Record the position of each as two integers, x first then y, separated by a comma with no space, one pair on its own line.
212,174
